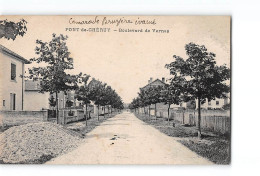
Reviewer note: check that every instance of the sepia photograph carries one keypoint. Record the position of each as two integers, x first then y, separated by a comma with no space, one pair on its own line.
115,90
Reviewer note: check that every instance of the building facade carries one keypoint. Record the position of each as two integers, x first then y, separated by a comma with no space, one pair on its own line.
11,80
36,101
218,103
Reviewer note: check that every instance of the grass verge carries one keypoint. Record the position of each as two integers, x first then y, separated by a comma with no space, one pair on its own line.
92,123
214,147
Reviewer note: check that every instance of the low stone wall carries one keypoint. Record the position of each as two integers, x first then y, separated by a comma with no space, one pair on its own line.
12,118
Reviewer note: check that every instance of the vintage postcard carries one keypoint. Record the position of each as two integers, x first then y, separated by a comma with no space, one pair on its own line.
115,90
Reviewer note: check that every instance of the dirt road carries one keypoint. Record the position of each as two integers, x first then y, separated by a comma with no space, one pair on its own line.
124,139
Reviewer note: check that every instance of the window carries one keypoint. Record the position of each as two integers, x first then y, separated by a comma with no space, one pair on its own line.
217,102
3,102
13,71
209,103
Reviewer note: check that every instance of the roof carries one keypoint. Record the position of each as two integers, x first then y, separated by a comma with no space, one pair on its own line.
13,54
31,85
150,84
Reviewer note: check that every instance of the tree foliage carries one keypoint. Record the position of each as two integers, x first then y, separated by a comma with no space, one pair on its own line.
202,79
147,97
102,95
197,78
52,101
53,61
10,29
226,106
171,94
56,61
83,93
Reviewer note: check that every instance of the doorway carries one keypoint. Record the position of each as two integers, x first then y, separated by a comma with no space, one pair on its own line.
12,101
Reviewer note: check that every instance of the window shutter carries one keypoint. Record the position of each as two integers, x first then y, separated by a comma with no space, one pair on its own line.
13,71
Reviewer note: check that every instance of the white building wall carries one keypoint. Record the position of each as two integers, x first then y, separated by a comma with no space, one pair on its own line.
213,103
7,85
35,101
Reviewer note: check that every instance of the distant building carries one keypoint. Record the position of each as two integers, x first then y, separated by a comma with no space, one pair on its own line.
213,104
11,80
154,83
162,82
218,103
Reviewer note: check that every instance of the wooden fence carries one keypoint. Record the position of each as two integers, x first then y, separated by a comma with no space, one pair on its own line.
212,120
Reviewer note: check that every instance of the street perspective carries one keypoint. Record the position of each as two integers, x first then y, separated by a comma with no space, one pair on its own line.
115,90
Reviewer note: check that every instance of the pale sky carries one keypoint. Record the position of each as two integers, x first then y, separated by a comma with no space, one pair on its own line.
127,60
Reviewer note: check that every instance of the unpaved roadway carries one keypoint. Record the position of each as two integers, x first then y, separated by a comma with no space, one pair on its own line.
124,139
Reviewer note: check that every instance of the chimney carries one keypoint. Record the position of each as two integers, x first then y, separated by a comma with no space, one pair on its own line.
163,79
151,80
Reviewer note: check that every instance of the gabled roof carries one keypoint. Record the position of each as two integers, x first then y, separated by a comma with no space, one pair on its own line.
153,82
13,54
31,85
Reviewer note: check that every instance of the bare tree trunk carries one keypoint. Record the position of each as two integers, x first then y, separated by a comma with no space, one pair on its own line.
149,110
169,112
183,116
86,114
155,111
98,113
57,108
104,111
199,119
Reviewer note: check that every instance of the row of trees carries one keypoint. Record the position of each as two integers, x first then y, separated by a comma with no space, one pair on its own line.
196,78
100,93
167,94
53,63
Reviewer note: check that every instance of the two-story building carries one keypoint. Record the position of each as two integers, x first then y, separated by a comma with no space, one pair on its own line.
11,80
218,103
